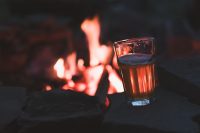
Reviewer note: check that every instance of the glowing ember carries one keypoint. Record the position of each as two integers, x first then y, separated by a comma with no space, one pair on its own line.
48,88
71,83
80,87
107,102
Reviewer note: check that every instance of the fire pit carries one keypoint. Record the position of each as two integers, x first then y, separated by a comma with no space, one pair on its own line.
67,91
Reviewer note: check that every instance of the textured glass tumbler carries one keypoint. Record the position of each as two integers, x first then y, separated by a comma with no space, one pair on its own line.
136,59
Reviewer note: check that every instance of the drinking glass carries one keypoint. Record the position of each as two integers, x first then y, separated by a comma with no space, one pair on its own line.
136,59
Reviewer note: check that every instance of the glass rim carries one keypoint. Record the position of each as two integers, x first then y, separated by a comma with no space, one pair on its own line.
130,40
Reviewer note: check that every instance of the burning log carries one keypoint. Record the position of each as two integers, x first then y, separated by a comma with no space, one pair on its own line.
101,92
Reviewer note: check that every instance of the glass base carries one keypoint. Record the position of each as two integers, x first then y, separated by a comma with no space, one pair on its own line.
141,102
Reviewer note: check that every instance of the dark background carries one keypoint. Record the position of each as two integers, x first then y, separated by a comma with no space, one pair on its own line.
35,33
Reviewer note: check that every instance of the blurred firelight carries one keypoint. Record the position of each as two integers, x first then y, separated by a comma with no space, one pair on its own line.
92,77
99,56
59,67
116,85
91,28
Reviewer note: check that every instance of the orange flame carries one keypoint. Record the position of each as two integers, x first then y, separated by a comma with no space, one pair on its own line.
80,65
66,69
70,65
116,85
60,68
98,53
100,56
91,28
93,76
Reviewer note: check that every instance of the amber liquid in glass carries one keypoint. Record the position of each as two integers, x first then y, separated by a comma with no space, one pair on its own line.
138,72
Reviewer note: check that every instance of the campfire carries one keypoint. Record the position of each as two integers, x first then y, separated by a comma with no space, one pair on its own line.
101,61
